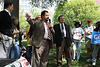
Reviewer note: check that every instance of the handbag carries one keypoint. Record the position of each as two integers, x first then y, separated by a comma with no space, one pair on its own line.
15,51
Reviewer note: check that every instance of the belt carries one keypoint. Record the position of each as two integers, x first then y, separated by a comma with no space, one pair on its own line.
47,39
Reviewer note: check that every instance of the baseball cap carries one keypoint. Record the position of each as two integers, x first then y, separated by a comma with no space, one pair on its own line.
89,21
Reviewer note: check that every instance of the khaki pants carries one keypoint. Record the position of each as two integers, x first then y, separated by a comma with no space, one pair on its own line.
66,50
40,55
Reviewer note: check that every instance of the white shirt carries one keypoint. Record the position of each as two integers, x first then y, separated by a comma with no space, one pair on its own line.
89,29
77,34
7,11
63,30
46,31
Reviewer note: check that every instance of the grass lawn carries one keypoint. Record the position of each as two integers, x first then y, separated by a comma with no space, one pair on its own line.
25,42
82,63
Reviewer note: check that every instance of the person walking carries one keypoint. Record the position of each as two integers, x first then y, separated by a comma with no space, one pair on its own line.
63,39
6,30
41,39
78,35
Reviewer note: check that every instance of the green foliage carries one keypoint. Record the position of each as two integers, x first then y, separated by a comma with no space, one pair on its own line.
23,22
80,10
35,12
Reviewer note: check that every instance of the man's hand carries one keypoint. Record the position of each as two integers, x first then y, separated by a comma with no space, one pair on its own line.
72,43
89,33
1,37
27,16
51,25
18,31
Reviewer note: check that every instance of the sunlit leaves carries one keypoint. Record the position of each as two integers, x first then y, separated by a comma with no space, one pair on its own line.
22,20
80,10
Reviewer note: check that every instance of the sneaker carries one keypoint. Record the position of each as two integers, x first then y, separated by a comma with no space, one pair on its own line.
63,59
88,60
94,63
73,59
70,66
99,58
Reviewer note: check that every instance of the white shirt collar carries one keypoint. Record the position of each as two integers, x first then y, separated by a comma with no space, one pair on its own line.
64,29
62,24
8,12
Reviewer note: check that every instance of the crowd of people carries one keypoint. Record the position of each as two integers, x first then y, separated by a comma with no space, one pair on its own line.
41,37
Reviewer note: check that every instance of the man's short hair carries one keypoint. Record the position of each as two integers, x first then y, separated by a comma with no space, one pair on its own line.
59,17
6,4
43,13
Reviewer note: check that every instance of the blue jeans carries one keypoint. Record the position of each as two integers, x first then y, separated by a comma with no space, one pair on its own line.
77,45
95,52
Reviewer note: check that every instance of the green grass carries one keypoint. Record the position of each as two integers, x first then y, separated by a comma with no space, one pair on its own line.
25,42
82,63
52,62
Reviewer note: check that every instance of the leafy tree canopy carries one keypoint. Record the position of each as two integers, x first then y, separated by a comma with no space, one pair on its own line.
78,10
34,12
22,20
